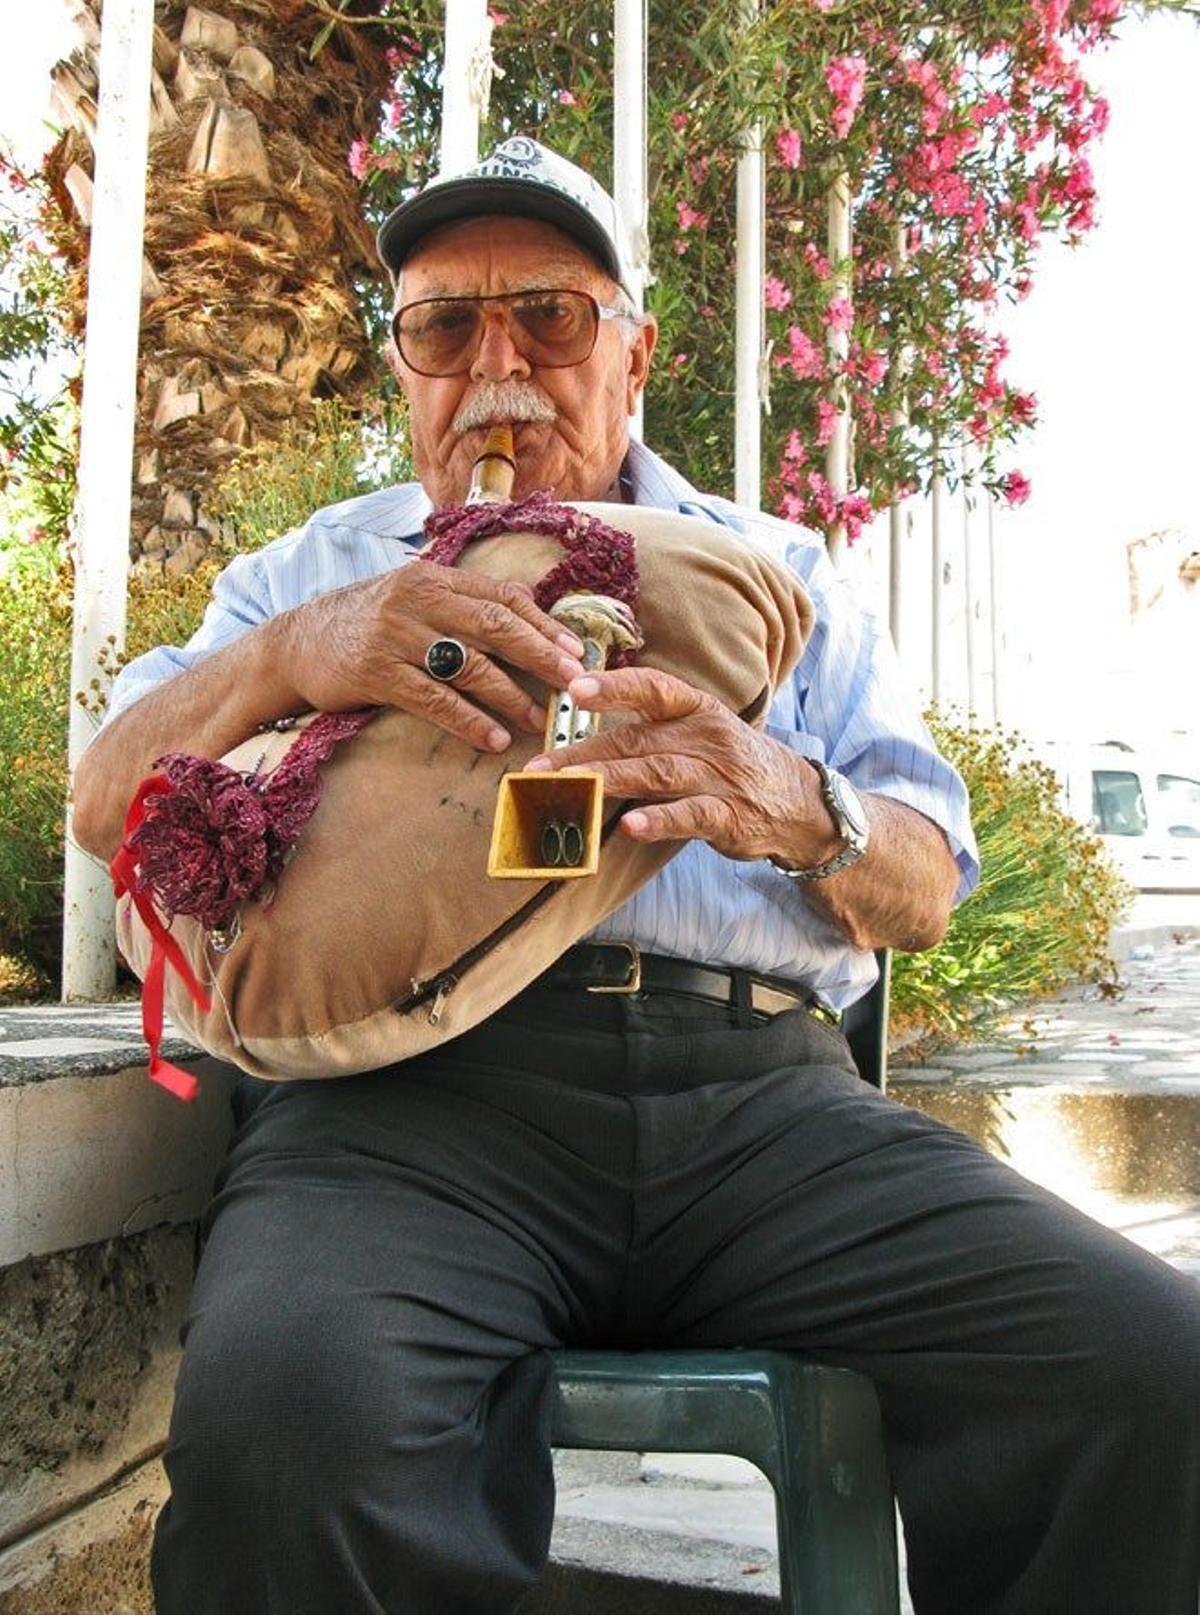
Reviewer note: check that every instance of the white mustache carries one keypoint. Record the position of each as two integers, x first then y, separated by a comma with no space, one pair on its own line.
510,400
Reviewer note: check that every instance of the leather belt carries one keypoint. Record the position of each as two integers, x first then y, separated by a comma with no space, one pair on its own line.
621,967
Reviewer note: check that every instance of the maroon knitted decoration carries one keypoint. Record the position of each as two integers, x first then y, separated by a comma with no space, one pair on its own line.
217,837
599,559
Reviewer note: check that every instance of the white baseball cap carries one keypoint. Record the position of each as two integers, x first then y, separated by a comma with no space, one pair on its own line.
519,176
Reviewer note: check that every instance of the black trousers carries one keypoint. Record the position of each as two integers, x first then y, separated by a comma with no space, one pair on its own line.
360,1421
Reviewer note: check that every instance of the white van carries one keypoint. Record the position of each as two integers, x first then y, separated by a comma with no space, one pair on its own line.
1145,809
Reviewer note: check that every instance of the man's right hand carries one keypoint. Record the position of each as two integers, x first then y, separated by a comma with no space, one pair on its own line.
365,645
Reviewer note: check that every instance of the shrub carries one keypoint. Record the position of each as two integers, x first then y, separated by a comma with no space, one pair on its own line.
1044,908
35,637
35,650
268,491
276,486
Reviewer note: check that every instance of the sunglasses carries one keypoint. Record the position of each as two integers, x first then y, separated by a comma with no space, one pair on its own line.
554,328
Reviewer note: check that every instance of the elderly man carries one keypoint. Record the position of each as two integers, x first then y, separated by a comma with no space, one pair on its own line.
359,1423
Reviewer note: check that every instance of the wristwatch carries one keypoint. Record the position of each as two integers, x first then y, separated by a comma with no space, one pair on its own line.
848,814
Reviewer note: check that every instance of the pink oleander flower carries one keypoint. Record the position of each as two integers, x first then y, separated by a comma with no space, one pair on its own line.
875,366
499,18
1053,13
396,108
679,120
689,218
1022,408
803,355
1027,217
827,419
824,500
775,294
794,449
1016,488
839,314
950,196
857,512
846,77
565,98
359,158
788,148
679,362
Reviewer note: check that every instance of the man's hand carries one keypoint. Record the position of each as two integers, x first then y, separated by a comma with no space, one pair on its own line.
365,645
711,777
707,775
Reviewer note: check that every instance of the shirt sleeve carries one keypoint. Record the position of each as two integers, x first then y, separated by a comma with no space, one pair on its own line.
240,601
848,705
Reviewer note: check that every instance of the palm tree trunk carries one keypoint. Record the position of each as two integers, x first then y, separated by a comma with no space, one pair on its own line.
254,239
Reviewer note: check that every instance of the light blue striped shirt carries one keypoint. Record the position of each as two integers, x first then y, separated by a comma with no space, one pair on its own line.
845,704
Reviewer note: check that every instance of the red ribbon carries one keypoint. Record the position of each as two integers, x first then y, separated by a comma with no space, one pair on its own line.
164,948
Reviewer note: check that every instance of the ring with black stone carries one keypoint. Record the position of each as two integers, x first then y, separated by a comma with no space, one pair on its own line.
445,660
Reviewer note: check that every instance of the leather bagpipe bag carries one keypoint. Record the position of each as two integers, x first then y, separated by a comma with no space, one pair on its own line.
387,889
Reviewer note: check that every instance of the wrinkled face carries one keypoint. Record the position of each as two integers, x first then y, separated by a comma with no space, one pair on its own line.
576,453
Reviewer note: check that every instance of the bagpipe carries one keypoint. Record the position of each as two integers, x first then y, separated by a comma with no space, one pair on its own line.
342,892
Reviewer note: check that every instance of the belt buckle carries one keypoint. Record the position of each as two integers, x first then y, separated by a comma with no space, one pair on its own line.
634,983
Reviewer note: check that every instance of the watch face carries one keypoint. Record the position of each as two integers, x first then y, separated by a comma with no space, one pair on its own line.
849,804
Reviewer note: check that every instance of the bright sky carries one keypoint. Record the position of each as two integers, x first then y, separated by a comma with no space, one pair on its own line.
43,35
1111,334
1110,343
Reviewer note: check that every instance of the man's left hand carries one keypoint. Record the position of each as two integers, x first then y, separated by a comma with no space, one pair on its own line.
709,776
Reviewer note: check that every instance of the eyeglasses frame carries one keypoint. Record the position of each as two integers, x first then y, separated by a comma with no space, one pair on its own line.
603,311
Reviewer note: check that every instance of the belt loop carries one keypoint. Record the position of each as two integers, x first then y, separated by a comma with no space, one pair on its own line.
741,1000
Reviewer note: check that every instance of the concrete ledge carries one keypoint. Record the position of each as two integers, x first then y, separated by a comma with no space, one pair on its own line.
95,1561
96,1155
88,1357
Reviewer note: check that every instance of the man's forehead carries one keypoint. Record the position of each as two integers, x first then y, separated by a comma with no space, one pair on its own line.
523,253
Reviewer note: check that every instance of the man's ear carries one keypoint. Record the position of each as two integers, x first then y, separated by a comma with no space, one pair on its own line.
641,350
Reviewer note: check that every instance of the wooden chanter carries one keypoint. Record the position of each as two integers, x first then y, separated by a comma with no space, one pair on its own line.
547,826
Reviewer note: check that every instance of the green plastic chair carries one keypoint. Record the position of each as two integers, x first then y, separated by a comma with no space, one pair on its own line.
814,1432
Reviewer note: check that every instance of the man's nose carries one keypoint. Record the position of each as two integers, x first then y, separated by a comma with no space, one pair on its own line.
499,357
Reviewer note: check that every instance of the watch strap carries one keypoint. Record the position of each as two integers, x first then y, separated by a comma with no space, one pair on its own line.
856,842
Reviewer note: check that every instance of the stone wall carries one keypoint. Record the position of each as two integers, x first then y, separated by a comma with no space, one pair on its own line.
101,1179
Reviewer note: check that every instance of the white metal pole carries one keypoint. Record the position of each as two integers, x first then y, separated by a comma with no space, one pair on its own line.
935,575
748,369
969,589
100,542
897,523
994,604
466,82
837,453
629,148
